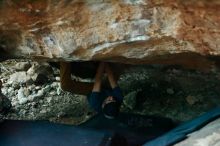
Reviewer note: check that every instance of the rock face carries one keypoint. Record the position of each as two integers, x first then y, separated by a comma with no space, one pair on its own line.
207,136
128,31
38,98
5,103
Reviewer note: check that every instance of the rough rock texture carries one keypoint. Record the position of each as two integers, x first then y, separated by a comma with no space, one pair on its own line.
207,136
39,98
148,90
5,103
129,31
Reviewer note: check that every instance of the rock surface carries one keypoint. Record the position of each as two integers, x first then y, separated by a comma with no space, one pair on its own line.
207,136
166,91
129,31
42,100
5,104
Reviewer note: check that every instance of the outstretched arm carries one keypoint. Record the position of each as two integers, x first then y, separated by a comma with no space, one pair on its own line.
113,82
70,85
110,75
98,77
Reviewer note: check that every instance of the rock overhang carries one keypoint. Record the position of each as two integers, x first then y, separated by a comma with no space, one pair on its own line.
133,32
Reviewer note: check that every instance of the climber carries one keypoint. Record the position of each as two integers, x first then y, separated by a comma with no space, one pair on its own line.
105,101
5,103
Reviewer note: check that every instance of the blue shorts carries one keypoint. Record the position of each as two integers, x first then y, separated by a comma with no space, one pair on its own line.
96,99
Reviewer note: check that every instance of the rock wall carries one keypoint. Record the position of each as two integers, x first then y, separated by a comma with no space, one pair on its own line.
128,31
35,92
207,136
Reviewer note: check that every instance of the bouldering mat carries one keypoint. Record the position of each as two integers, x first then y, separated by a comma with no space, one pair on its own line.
42,133
180,132
136,129
127,129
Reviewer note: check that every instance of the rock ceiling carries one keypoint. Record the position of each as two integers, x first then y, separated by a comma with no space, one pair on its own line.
127,31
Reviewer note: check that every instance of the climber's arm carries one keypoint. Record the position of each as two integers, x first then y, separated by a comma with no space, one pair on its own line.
98,78
70,85
110,75
94,99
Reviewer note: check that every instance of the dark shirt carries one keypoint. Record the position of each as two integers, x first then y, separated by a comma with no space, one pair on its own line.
96,99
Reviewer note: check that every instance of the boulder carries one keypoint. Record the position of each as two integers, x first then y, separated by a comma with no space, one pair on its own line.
22,95
207,136
22,66
40,73
19,78
5,103
134,32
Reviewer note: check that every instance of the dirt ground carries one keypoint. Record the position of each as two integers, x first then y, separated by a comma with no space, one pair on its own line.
171,91
166,91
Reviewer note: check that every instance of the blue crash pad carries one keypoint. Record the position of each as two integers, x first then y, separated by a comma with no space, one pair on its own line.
136,129
127,129
180,133
42,133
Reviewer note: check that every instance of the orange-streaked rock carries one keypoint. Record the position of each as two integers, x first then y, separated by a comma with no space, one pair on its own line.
136,32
